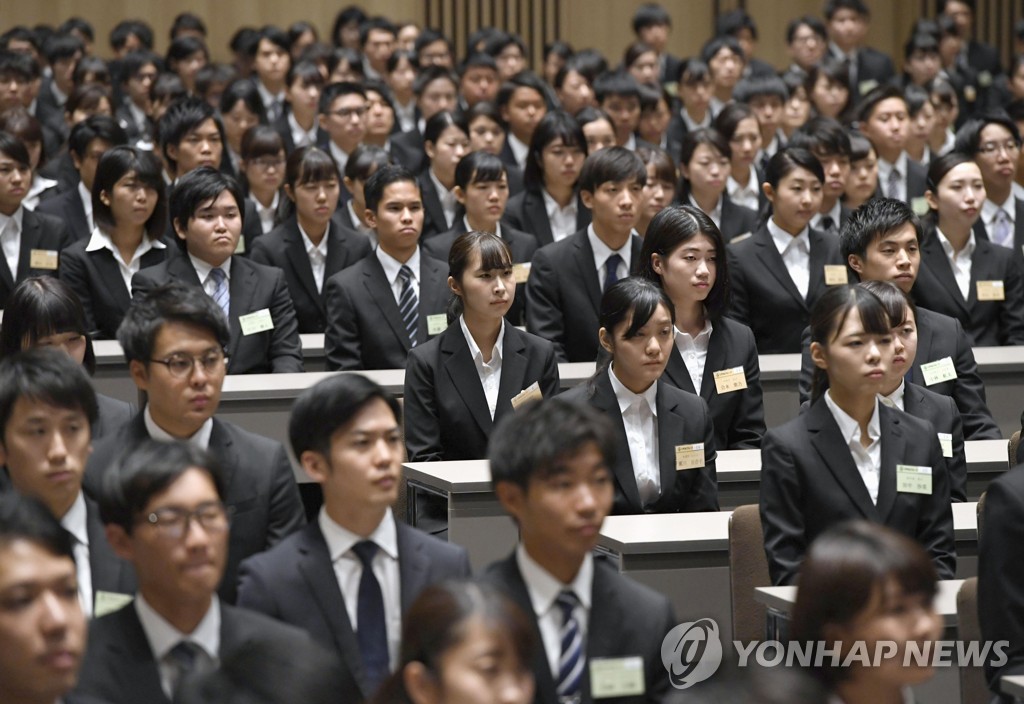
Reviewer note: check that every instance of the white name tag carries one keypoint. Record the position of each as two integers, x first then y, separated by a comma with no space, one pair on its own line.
43,259
836,275
240,247
727,380
256,322
938,371
689,456
436,324
912,479
521,272
616,677
991,291
109,602
530,393
946,441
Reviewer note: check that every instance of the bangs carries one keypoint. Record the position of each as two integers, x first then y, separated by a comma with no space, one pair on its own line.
645,305
489,170
873,316
53,316
316,166
494,253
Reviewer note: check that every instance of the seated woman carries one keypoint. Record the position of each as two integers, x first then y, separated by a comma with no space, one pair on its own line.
262,169
866,586
738,124
463,381
669,466
660,189
713,356
850,456
705,166
445,143
130,212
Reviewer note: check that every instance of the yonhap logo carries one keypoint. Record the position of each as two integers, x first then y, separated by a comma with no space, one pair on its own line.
691,652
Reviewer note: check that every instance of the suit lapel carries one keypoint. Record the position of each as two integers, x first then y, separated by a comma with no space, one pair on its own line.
670,426
433,291
242,285
104,565
336,252
223,448
583,254
514,361
299,260
893,448
1018,228
377,285
110,273
462,369
604,399
816,262
30,235
537,217
772,262
432,202
935,259
136,667
413,565
714,362
835,455
677,372
605,627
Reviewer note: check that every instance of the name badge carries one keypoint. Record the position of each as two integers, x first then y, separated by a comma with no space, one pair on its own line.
984,79
835,275
920,205
109,602
991,291
867,86
240,247
938,371
436,324
728,380
530,393
689,456
616,677
946,442
911,479
521,272
43,259
259,321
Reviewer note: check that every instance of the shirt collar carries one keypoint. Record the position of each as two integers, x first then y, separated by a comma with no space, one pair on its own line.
703,334
266,96
497,225
86,197
783,240
603,251
989,209
74,521
308,243
552,207
392,266
630,143
947,246
296,128
897,396
200,439
850,428
474,349
101,240
716,212
339,154
836,215
543,588
627,398
162,636
16,216
203,269
519,148
340,539
446,197
884,167
260,208
691,125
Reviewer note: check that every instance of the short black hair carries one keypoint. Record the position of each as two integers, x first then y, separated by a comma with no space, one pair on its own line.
187,22
328,405
48,376
126,28
116,163
173,302
14,148
554,126
968,137
373,189
364,160
874,219
94,65
25,518
733,22
79,25
184,46
182,117
650,15
501,40
822,135
613,164
135,61
479,167
307,72
200,186
274,35
619,84
536,440
334,91
428,36
716,44
872,98
381,23
347,15
144,471
245,90
19,64
760,86
62,46
809,21
212,74
858,6
95,127
523,79
41,306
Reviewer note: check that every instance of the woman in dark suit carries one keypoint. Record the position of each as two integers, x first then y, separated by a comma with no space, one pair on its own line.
463,381
262,165
850,456
129,209
713,356
705,168
667,462
445,142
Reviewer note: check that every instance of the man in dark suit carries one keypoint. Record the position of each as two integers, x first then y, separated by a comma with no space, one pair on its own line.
981,58
174,339
206,211
436,89
885,120
342,122
62,54
652,25
848,22
827,140
522,102
139,71
549,469
346,433
47,408
165,509
567,278
393,299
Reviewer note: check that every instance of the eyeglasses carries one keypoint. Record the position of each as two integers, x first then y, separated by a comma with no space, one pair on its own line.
345,113
992,148
173,523
267,162
182,365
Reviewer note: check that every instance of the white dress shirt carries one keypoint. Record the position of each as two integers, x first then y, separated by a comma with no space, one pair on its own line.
868,459
603,251
959,262
562,220
392,267
543,590
271,101
199,439
796,254
745,194
694,351
10,239
489,372
39,184
639,417
348,570
100,240
317,254
266,212
520,150
360,227
716,212
301,137
989,210
895,399
86,197
469,228
162,637
885,168
691,124
203,270
406,115
630,143
74,522
340,156
447,199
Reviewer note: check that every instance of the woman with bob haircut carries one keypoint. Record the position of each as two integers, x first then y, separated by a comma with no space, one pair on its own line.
849,456
262,175
461,383
129,208
653,420
362,163
713,356
705,164
447,632
660,189
445,142
865,585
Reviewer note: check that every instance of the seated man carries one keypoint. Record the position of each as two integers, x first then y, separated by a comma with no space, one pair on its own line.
174,339
347,433
165,510
207,216
550,470
47,407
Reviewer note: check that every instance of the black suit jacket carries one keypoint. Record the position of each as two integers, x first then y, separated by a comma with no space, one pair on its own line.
109,572
981,231
736,219
114,413
738,415
258,484
434,221
295,583
764,296
252,287
809,482
983,58
284,248
285,130
988,323
683,419
626,619
120,666
364,325
407,149
526,211
446,414
941,412
96,278
38,231
124,117
872,65
563,296
69,209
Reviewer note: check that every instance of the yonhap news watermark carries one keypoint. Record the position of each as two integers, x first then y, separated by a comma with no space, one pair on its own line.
692,652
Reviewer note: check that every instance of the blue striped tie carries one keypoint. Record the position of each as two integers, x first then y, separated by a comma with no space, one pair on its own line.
570,662
409,305
220,291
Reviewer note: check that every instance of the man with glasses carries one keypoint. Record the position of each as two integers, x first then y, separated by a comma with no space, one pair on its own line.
174,339
168,510
343,108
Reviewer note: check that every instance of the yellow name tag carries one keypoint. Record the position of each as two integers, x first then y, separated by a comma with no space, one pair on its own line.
911,479
984,79
689,456
946,442
43,259
867,86
240,247
256,322
835,275
728,380
436,324
109,602
991,291
920,205
521,272
616,677
938,371
530,393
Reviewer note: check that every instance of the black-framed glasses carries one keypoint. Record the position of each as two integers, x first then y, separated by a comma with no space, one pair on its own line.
182,365
173,523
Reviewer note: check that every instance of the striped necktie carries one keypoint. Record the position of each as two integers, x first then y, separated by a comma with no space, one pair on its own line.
1002,230
409,305
570,661
221,296
892,185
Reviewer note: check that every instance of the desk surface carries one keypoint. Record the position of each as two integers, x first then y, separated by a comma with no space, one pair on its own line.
1012,685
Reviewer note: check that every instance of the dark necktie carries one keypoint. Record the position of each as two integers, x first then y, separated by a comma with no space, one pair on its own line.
828,224
371,631
611,271
571,659
409,305
183,658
